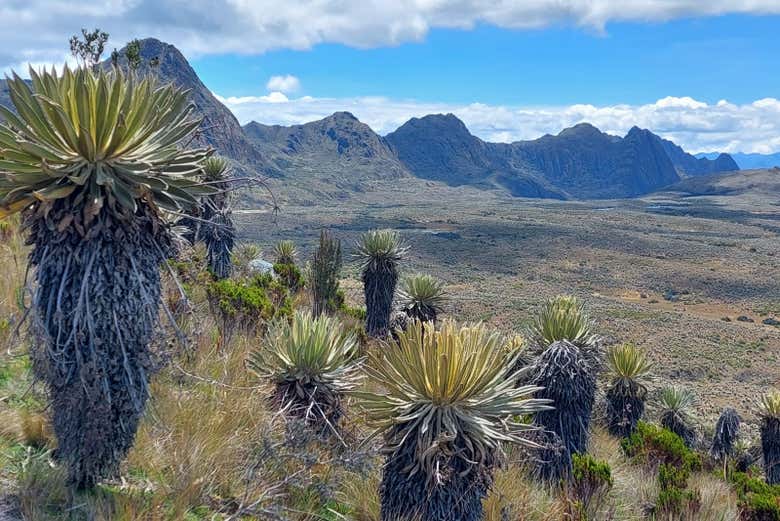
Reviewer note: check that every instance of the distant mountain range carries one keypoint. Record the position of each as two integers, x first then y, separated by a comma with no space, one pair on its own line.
339,155
749,161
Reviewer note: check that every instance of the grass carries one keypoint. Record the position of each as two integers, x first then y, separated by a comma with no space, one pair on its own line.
211,447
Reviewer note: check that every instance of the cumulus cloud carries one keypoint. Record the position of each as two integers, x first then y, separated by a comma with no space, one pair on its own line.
693,124
38,29
286,84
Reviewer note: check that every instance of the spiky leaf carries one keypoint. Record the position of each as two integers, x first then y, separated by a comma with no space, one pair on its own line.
98,137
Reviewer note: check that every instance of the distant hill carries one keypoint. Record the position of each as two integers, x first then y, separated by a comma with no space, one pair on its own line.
763,182
750,161
339,143
690,165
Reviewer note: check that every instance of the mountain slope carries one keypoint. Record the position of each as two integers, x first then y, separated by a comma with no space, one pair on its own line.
440,147
220,128
587,163
690,165
761,182
581,162
339,141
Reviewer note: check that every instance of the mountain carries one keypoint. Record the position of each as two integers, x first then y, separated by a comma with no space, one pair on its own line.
220,128
690,165
440,147
750,161
580,162
588,164
337,143
339,156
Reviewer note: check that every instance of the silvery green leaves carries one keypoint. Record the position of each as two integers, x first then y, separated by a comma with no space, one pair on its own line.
101,138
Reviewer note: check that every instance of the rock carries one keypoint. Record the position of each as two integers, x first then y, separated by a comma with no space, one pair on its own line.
726,319
260,266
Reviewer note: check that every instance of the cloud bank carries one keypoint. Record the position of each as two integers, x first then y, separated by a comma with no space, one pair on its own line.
38,30
693,124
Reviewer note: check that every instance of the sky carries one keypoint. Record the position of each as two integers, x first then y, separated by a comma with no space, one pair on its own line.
702,73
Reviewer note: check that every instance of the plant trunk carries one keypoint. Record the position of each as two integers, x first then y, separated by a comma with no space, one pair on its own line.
680,428
770,446
457,496
379,290
316,404
95,310
219,235
624,410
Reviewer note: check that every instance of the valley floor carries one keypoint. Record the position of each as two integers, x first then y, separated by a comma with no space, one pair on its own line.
692,279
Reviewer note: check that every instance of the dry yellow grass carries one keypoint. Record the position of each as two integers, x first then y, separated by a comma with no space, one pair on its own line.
210,447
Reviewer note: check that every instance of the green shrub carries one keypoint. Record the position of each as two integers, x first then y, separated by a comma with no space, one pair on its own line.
291,275
758,500
590,484
655,445
760,507
358,313
249,302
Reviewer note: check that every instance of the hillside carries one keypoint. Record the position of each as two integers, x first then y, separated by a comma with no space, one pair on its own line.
220,127
760,181
589,164
337,155
750,161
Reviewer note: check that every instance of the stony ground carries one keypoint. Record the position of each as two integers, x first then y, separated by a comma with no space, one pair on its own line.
691,279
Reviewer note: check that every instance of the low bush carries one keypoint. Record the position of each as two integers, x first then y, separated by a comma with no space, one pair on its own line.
248,303
661,448
758,501
655,445
591,482
290,275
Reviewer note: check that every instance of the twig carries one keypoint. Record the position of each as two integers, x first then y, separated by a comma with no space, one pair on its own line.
216,382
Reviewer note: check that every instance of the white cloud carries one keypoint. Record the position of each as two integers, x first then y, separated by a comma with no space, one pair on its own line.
287,84
41,28
693,124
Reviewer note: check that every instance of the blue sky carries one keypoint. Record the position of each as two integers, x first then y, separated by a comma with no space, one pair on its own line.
732,57
703,73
